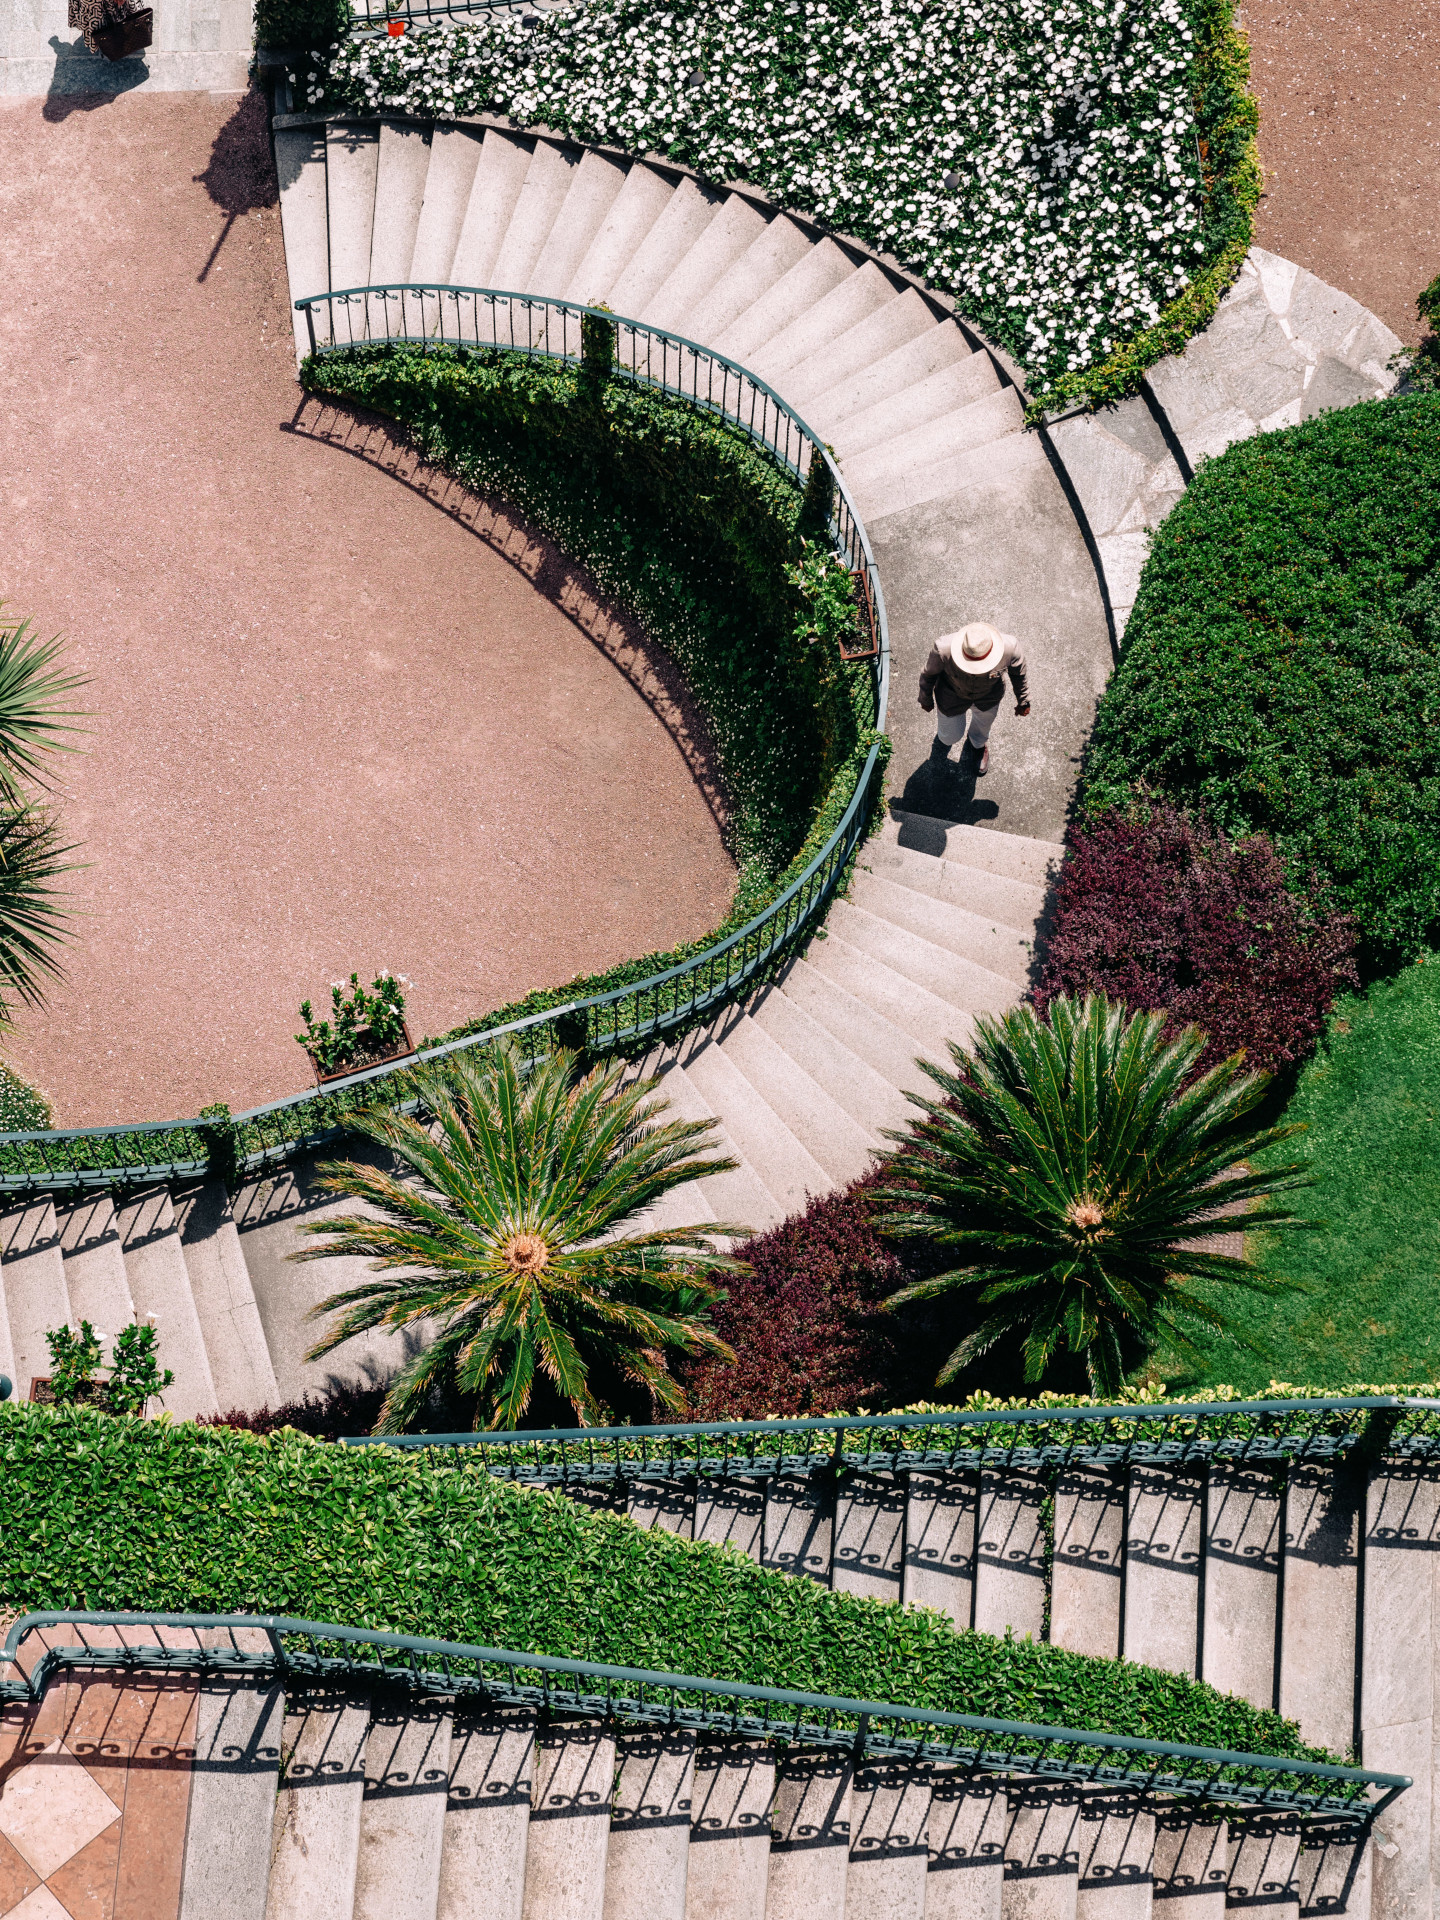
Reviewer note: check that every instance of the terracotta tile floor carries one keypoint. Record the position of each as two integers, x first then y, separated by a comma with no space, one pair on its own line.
94,1786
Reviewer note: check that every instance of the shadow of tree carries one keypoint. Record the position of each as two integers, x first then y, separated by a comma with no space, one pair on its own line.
240,178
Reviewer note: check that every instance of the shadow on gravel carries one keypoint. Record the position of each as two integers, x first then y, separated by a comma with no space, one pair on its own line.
558,579
240,178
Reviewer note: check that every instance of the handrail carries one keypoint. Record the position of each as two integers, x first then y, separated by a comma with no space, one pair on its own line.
1178,1434
59,1160
866,1729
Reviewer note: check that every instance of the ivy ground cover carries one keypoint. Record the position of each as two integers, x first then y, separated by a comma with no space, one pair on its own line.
1069,170
112,1514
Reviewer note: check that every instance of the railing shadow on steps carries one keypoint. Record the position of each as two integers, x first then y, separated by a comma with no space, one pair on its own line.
58,1161
310,1651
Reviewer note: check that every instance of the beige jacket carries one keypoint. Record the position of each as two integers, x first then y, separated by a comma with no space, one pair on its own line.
947,683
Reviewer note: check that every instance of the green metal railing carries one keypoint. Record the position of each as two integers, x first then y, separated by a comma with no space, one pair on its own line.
1183,1434
312,1650
625,1018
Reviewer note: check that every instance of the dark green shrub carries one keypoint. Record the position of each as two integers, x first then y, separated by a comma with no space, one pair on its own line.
1281,669
109,1514
308,24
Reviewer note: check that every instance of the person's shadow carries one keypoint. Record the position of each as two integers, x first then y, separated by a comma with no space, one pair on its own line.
240,178
83,80
945,789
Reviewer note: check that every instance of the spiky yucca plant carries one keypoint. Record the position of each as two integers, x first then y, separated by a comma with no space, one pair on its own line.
1076,1177
511,1230
33,722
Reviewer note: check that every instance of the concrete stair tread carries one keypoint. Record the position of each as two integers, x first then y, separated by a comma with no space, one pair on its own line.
32,1282
761,1138
930,1022
301,172
594,187
943,437
951,391
871,1100
537,207
778,247
449,180
1005,950
499,177
812,279
741,1197
240,1365
889,325
726,238
943,348
404,162
682,221
95,1279
352,160
851,300
890,1051
631,215
966,984
836,1142
1005,463
1014,903
160,1286
1014,856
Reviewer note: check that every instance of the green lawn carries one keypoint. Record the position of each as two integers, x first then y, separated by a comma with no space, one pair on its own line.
1368,1308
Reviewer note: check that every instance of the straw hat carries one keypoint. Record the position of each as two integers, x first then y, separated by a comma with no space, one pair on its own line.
976,648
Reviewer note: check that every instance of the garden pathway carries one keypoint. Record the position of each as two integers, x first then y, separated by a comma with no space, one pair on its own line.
333,727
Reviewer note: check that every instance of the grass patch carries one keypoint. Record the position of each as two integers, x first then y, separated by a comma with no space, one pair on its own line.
110,1514
1368,1286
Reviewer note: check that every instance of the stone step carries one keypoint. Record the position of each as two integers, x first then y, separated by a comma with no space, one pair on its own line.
968,985
740,1198
853,299
449,180
940,439
316,1849
1013,903
891,325
871,1101
632,214
760,1136
537,207
160,1287
725,239
32,1274
837,1142
681,222
768,258
240,1364
352,162
403,164
499,176
594,187
1013,856
402,1812
887,1049
927,354
929,1021
300,170
95,1278
1006,465
956,388
989,943
812,279
234,1775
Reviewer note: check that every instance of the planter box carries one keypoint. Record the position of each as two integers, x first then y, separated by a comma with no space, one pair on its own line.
365,1061
42,1393
131,35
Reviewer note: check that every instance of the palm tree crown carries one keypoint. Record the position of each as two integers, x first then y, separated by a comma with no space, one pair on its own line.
1077,1176
508,1231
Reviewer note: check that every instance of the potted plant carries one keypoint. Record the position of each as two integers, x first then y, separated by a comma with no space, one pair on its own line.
116,28
367,1028
135,1375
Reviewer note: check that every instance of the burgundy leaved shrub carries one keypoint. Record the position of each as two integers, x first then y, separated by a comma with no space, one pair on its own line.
1158,910
344,1410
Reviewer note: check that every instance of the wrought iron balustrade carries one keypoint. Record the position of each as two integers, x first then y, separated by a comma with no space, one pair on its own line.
311,1650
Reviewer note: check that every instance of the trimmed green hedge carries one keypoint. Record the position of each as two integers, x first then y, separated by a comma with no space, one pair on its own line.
110,1514
1281,669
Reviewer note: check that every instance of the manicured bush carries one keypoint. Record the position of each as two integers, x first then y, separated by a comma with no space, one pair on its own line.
1080,179
300,24
1281,669
1158,911
109,1514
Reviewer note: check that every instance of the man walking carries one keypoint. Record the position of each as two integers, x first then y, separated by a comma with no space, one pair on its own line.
965,678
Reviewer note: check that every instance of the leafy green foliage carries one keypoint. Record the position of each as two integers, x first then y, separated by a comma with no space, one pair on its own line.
33,722
301,24
367,1025
1075,1174
1360,1303
130,1514
1281,670
514,1231
136,1377
34,921
22,1108
74,1358
1420,370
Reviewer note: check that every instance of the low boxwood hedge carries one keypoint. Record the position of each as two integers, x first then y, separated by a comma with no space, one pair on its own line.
1281,669
103,1513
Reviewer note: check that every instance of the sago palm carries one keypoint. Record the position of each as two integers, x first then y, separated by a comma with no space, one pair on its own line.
33,722
511,1231
34,921
1074,1177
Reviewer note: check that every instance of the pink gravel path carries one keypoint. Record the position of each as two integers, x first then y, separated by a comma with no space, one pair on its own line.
344,716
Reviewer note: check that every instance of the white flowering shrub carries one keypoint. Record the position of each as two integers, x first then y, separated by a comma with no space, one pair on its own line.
1037,159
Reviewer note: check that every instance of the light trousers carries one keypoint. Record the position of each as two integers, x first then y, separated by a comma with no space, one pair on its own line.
950,727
